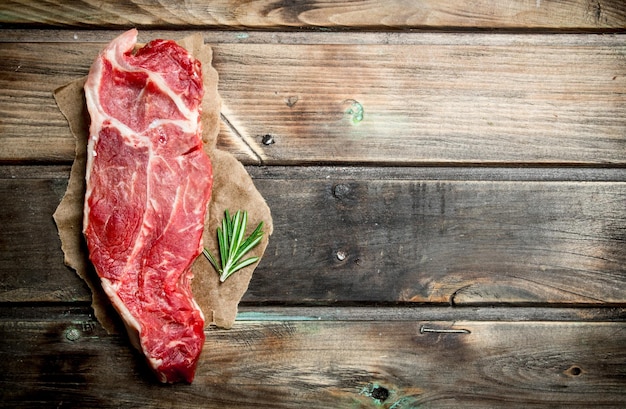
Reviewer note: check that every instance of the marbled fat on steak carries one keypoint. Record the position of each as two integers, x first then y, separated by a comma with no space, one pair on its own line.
148,186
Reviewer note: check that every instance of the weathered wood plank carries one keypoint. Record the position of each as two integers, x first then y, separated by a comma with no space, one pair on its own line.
473,104
386,236
30,258
437,241
30,116
69,360
524,100
413,37
354,14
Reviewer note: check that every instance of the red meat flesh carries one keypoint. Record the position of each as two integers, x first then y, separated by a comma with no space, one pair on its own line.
148,186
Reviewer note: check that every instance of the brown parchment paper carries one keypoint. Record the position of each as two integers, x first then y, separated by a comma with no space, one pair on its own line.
233,189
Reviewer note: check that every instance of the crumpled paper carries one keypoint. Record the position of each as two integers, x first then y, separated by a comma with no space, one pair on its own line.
233,189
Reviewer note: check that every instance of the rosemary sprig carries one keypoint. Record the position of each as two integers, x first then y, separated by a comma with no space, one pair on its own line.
232,246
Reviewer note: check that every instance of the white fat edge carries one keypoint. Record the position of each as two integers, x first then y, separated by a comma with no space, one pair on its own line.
96,114
156,364
119,45
116,49
132,326
130,322
197,308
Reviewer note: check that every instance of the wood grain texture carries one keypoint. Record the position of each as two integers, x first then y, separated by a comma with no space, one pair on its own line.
462,244
508,103
412,37
31,270
448,242
351,14
31,119
67,360
385,236
500,99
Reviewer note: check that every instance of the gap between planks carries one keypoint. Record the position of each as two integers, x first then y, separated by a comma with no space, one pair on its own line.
305,37
547,173
82,312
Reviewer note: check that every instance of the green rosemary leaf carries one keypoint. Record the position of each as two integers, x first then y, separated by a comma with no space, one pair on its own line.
243,264
233,246
222,242
212,259
227,228
247,246
237,234
227,220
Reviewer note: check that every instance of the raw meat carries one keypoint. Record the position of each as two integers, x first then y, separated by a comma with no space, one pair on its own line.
148,186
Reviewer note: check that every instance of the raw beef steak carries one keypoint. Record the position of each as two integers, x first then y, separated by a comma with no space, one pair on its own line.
148,187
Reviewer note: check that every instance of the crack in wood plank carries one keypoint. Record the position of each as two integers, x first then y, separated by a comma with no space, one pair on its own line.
240,138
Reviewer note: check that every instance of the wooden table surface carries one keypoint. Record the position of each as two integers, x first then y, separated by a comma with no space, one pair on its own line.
448,187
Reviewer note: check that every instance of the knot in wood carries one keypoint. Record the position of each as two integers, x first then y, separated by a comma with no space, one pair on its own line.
355,111
341,190
377,392
574,371
72,334
267,139
381,393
